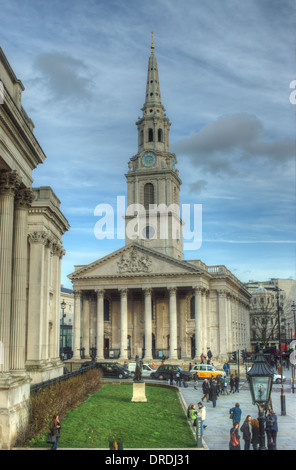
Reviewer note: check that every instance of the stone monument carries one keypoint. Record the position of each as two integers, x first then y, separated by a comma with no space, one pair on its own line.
139,394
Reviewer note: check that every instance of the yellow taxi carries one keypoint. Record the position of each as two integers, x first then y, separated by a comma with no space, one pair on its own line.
206,371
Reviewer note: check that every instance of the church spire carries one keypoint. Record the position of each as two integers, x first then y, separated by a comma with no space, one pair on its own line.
153,104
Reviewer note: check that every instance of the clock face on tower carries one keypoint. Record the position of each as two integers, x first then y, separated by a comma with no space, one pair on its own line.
149,159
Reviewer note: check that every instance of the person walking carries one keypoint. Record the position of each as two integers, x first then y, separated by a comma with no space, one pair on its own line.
55,429
213,393
201,411
246,429
255,433
178,379
271,428
235,413
236,383
231,383
206,390
234,443
225,368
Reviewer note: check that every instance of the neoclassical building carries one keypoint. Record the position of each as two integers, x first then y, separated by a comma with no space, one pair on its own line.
145,299
31,229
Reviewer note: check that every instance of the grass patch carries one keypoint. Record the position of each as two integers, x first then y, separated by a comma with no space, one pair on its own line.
158,423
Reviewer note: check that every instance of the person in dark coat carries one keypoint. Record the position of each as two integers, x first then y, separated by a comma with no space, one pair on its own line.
236,413
236,383
271,428
213,393
246,429
55,429
255,433
205,389
234,443
231,383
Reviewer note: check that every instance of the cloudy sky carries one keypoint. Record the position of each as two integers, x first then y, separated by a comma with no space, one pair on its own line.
225,69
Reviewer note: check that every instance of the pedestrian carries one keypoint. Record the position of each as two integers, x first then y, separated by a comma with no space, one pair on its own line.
246,429
202,357
202,413
235,413
225,368
255,433
190,366
210,355
231,383
236,383
171,378
206,390
271,428
224,383
213,393
55,429
178,379
192,415
234,437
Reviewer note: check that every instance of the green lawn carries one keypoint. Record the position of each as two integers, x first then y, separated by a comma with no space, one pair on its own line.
158,423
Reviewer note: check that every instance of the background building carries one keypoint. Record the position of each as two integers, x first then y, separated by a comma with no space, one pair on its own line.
145,299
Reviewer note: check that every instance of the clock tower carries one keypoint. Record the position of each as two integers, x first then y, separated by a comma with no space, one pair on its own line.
152,179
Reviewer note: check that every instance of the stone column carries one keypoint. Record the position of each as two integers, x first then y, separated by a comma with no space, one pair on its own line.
77,326
85,342
173,323
9,183
100,324
37,242
23,200
148,325
198,324
223,324
123,324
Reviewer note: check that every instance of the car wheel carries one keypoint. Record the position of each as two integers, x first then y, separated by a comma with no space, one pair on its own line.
120,376
278,381
132,374
161,377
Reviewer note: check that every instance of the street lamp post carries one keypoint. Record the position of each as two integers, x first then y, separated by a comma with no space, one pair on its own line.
283,398
63,306
294,312
260,378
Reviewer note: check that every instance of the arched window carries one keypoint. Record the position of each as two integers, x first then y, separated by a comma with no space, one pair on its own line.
150,135
159,135
148,195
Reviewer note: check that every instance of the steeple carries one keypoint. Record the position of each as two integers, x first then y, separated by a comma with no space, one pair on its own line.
153,127
152,178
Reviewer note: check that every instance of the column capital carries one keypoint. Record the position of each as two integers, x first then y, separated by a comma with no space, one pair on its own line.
77,294
172,290
100,292
147,291
38,237
10,182
24,198
123,291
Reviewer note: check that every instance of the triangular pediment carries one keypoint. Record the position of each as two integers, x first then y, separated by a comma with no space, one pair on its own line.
134,260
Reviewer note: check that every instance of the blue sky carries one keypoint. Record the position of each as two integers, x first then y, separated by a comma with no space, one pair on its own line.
225,68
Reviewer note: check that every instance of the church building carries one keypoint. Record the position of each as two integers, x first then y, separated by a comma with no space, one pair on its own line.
145,299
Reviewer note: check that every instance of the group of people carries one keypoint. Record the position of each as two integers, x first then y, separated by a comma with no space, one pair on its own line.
192,414
250,430
213,388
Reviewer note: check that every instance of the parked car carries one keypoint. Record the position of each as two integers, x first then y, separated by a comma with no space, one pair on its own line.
206,371
164,372
109,369
146,369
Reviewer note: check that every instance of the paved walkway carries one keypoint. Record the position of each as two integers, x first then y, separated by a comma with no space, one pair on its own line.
218,423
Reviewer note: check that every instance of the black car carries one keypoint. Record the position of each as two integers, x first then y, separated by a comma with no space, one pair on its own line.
112,369
164,372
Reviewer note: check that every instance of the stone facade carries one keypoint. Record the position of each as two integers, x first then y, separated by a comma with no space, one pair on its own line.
29,225
145,299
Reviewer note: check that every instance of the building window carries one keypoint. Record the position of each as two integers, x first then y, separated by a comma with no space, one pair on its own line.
106,310
150,135
159,135
148,195
192,308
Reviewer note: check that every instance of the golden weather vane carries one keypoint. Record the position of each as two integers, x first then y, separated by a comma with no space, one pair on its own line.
152,44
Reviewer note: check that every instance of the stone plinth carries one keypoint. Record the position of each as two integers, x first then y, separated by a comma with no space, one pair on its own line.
139,392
